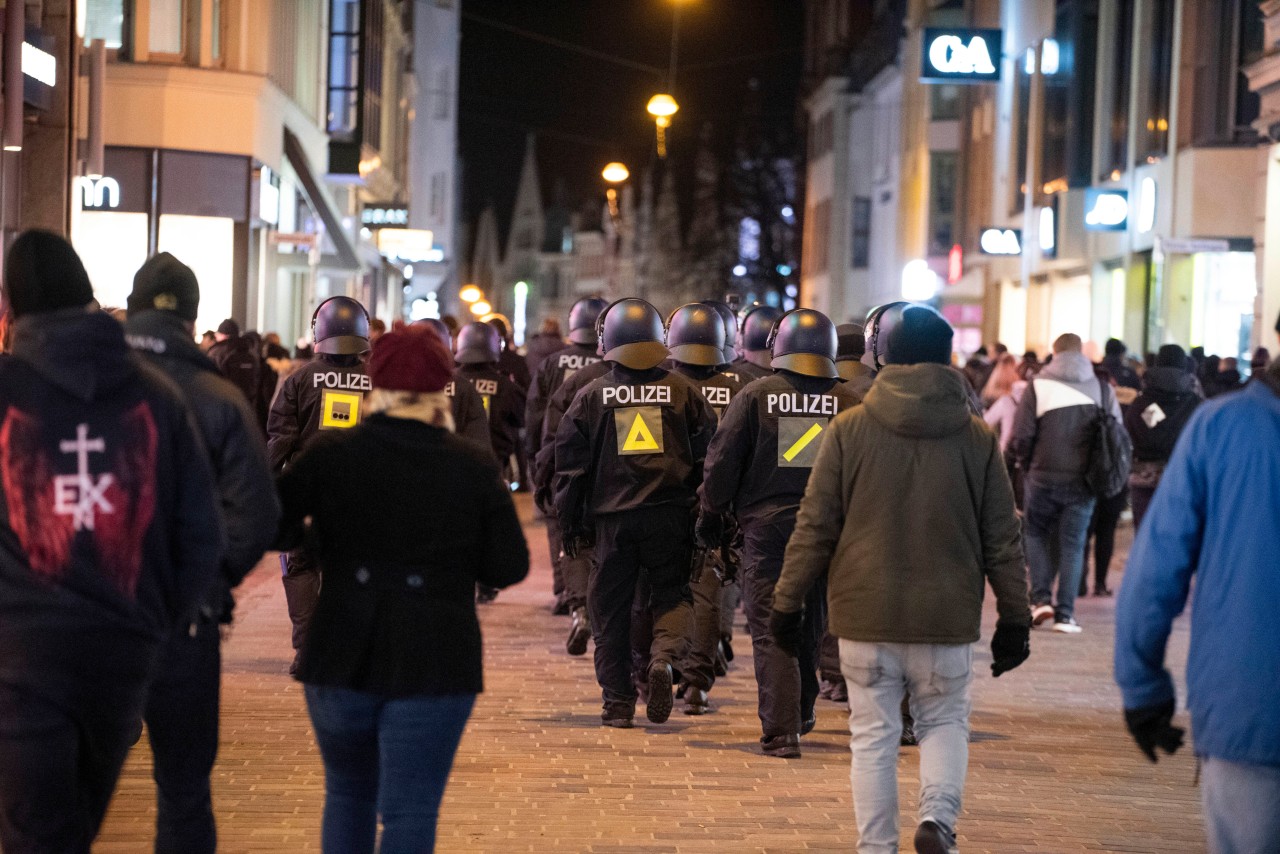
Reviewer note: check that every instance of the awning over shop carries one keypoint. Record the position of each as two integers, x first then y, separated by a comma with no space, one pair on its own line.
345,253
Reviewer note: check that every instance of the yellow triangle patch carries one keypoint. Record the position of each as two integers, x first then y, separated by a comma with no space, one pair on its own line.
639,437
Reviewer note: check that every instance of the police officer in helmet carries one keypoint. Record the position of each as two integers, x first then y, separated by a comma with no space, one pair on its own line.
325,394
753,342
696,339
756,470
469,419
628,462
477,351
555,369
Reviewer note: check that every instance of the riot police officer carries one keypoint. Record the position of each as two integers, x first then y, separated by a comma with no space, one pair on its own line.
695,337
478,349
628,461
469,419
551,374
757,469
755,360
326,393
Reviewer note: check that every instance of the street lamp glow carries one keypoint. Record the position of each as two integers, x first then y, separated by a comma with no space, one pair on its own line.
481,308
662,106
615,173
470,293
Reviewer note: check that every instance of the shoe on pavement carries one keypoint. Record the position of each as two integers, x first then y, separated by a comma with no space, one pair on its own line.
839,692
561,608
618,721
808,724
1102,591
781,746
658,706
696,701
579,632
908,738
721,663
933,838
1041,613
1069,626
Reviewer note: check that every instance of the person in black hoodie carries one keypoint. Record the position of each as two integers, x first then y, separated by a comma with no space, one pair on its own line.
182,707
392,663
1155,420
109,539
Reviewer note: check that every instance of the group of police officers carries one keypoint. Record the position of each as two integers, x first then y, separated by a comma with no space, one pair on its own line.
664,456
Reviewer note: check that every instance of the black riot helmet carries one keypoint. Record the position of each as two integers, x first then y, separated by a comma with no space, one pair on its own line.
695,335
880,320
803,341
340,327
437,328
630,332
757,326
582,320
478,343
730,321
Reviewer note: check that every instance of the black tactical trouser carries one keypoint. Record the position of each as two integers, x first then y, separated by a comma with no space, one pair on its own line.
699,666
301,592
658,543
554,545
787,685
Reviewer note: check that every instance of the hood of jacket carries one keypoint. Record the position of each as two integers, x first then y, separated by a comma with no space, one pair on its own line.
81,351
925,401
164,334
1168,380
1068,368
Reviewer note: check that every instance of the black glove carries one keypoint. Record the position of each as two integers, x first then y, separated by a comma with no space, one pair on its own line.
577,540
785,628
1010,646
708,531
1151,727
542,499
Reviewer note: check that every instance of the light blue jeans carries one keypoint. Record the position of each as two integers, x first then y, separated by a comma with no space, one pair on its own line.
1241,806
936,677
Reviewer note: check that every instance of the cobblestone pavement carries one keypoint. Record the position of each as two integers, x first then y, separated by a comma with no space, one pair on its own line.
1051,767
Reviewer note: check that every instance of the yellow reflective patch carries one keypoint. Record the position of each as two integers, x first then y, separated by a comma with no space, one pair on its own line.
802,443
797,445
635,426
339,409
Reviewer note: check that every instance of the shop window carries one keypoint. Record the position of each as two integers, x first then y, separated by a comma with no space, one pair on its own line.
205,244
942,200
105,19
1115,145
164,35
944,103
1153,112
861,245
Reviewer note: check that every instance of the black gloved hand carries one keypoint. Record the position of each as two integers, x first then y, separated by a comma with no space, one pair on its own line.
708,531
785,628
577,540
542,499
1151,727
1010,646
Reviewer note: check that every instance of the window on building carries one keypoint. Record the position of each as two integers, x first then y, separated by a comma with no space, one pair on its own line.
944,103
372,28
104,19
943,172
165,29
1068,63
1224,40
818,223
443,94
1115,145
1153,112
437,197
861,246
344,69
1021,124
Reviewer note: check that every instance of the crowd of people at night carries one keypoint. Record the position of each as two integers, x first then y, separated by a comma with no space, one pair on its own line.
854,489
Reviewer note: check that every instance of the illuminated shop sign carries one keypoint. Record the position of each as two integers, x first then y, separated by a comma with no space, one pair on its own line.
1000,241
1106,210
961,56
98,193
39,68
385,216
407,244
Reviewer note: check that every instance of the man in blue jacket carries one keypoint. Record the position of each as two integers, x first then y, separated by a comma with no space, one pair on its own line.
1213,517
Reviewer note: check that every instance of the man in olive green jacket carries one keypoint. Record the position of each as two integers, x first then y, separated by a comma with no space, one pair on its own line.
910,511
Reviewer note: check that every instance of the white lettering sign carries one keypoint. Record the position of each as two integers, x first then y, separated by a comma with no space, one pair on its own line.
1109,211
794,403
627,395
1000,241
950,55
97,193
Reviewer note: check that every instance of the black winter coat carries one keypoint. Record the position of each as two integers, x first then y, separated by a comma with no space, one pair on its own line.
1157,417
544,466
469,418
408,518
503,406
109,530
237,453
554,371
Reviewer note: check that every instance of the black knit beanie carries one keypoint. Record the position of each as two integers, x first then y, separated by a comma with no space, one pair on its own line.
1172,356
43,273
922,335
166,284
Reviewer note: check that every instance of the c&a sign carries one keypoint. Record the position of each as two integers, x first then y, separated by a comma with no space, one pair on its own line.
961,56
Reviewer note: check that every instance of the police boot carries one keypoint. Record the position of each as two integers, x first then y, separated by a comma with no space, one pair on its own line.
696,701
658,705
579,632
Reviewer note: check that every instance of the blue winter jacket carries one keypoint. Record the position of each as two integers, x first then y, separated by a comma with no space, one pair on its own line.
1214,516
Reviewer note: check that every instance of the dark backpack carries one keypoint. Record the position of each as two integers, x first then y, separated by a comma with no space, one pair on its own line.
1110,451
246,369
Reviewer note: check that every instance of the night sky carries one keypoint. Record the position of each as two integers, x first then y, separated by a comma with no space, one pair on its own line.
587,111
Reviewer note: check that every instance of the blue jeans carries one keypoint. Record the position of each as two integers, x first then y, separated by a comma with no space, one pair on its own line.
1240,813
387,757
936,678
1057,526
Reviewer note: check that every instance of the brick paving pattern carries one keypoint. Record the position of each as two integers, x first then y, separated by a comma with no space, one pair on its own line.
1051,767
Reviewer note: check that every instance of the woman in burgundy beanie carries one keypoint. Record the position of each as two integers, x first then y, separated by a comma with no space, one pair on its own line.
408,518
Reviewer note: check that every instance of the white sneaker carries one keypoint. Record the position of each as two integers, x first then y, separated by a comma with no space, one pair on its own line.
1067,627
1040,614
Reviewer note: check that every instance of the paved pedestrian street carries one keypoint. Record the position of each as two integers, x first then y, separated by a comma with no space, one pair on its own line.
1051,768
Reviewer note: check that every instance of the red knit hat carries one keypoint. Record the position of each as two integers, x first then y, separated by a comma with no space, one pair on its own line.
412,360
